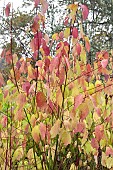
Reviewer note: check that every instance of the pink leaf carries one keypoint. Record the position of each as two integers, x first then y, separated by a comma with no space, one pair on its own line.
104,63
44,6
109,151
85,11
99,132
4,121
78,100
42,130
36,3
7,9
94,143
26,87
80,127
75,32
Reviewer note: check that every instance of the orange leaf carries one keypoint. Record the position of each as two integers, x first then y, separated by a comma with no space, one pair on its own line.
40,99
1,80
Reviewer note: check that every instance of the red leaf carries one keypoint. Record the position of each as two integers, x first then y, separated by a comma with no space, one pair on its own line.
45,48
75,32
85,11
7,9
94,143
66,20
104,63
78,100
40,99
36,3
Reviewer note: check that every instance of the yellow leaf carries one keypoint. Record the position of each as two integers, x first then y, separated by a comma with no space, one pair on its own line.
73,7
66,32
91,88
78,69
73,167
55,129
83,56
35,133
55,36
59,98
109,162
18,154
65,137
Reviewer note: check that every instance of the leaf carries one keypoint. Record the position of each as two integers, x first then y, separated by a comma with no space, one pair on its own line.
44,6
75,32
7,9
80,127
85,11
36,133
59,98
87,44
8,57
78,100
55,36
21,99
33,120
66,20
1,80
40,99
18,154
55,129
78,48
99,132
109,151
94,143
26,86
4,121
83,56
46,37
43,130
19,115
66,32
78,69
36,3
91,88
109,162
104,63
65,137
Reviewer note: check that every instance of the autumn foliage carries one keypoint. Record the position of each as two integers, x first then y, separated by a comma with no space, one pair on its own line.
57,110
